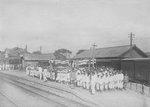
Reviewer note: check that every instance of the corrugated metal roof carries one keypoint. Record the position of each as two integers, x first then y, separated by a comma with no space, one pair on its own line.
39,57
135,59
105,52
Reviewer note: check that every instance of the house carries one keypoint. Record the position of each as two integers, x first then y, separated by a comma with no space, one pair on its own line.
12,58
2,58
111,56
37,59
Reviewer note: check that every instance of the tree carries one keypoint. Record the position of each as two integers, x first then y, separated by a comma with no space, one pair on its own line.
63,51
62,54
80,51
37,52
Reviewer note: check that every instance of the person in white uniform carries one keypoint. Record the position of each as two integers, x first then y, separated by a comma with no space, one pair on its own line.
45,74
97,82
121,77
102,84
111,82
78,78
40,72
87,81
93,81
28,70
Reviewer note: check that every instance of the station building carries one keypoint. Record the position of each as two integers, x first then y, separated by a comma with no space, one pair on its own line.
111,56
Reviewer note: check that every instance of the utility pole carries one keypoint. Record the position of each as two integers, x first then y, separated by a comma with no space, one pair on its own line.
93,53
94,45
26,48
92,58
41,49
131,36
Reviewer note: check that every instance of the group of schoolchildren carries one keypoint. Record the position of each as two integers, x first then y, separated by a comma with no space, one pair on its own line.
9,67
63,76
101,79
42,73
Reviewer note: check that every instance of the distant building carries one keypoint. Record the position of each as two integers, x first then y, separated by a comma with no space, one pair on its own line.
37,59
12,57
2,58
112,56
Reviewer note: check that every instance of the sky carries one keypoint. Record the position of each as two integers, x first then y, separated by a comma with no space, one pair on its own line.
73,24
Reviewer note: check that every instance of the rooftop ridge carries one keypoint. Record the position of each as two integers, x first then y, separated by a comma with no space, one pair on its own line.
114,47
106,48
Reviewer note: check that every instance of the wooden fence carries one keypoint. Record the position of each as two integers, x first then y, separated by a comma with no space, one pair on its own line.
140,88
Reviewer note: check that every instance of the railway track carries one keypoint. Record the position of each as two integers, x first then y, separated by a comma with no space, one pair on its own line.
14,104
36,91
29,85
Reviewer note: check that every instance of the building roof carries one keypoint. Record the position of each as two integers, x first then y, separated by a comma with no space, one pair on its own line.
39,57
108,52
148,54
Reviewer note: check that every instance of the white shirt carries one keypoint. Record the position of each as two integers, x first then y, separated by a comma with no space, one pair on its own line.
40,69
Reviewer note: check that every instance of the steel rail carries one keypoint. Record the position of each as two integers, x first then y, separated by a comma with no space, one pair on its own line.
31,86
8,99
52,87
48,99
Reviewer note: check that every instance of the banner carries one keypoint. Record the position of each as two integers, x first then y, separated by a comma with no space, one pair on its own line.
85,62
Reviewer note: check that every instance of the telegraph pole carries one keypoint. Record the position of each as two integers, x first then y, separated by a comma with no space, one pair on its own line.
41,49
26,48
131,36
92,55
94,46
92,58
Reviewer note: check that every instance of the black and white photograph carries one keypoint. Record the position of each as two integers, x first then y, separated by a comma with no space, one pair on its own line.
74,53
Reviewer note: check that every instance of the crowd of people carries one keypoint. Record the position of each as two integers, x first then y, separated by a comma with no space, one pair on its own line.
42,73
9,66
100,79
